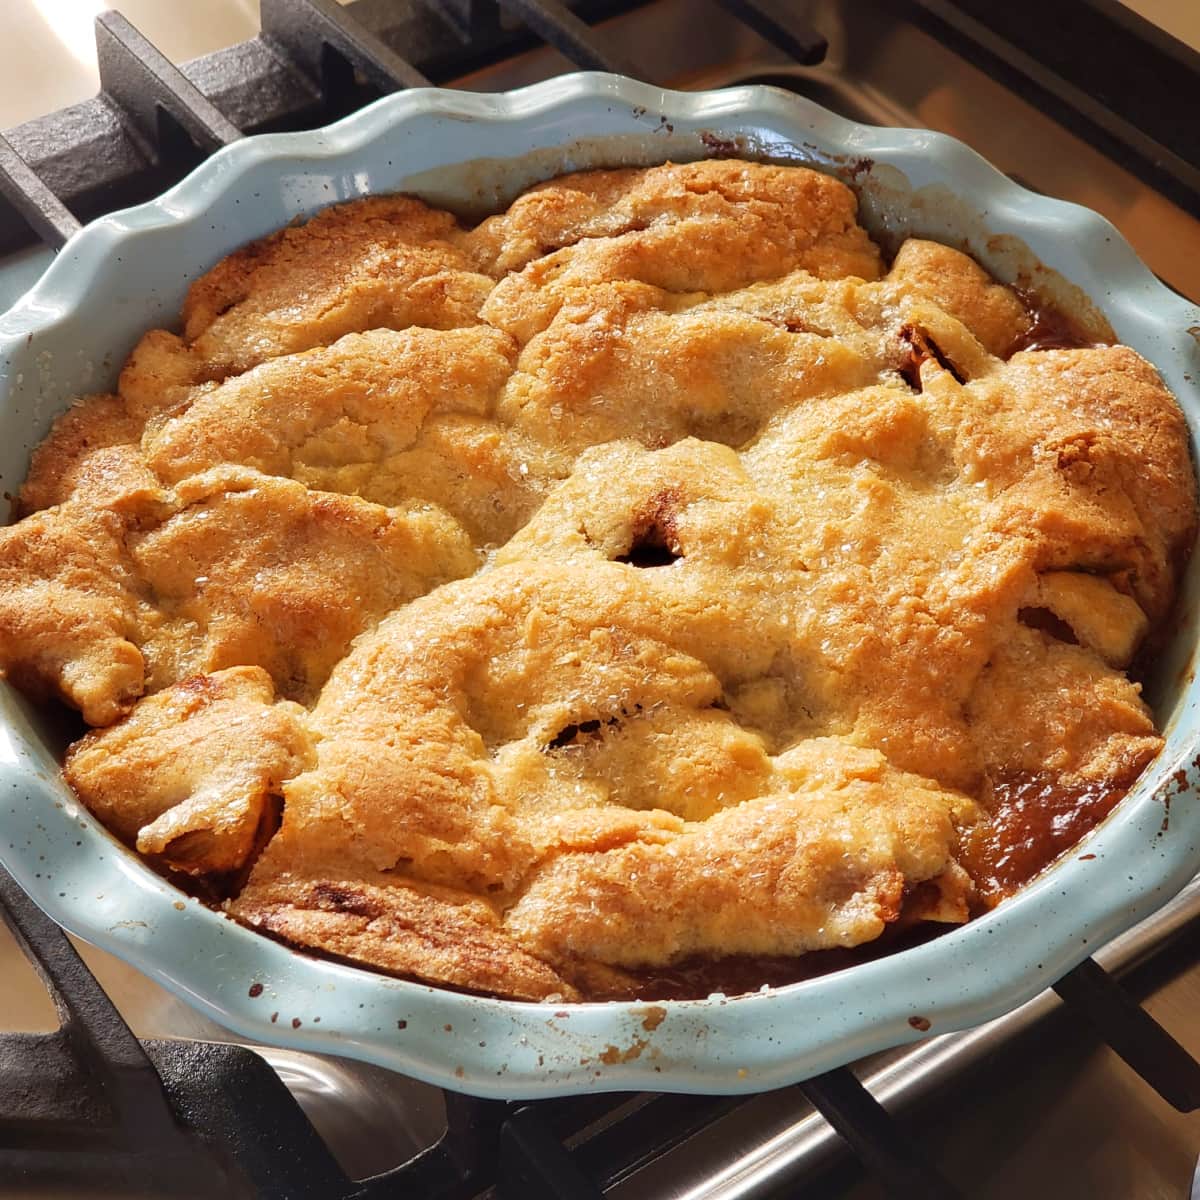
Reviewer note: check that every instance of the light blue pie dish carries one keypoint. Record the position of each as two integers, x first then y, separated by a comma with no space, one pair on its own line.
129,271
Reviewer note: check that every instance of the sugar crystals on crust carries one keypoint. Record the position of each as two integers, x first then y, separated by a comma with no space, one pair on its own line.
650,575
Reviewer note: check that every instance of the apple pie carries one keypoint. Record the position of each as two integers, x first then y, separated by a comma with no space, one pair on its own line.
651,576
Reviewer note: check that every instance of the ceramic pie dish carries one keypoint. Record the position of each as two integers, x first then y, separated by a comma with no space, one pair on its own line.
473,153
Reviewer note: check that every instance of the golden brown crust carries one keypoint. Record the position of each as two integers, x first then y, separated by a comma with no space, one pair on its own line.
407,931
663,579
1083,723
738,222
92,449
361,416
188,775
381,263
960,286
1101,450
694,227
66,613
104,597
252,569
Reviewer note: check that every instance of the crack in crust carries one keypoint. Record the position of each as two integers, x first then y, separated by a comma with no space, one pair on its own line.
643,577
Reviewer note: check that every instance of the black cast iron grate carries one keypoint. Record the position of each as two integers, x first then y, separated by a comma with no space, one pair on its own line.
160,1118
316,60
313,62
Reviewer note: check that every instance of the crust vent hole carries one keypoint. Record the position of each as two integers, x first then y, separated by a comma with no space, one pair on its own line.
1048,623
655,541
921,348
578,732
649,551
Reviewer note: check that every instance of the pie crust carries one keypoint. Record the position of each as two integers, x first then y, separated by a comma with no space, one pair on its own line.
649,576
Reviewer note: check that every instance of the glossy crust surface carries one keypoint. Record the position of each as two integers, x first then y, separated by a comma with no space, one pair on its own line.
643,575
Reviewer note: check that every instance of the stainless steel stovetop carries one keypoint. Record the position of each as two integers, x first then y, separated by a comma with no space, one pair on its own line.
1028,1105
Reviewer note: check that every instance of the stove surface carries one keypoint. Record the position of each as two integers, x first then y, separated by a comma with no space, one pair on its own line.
1060,1115
1034,1105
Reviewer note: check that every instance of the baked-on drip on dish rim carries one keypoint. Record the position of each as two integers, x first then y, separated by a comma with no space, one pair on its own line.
648,578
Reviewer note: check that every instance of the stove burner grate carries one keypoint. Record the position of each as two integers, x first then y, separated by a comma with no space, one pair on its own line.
89,1101
313,62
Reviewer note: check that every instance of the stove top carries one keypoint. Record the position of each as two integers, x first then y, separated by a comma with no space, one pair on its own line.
1040,1101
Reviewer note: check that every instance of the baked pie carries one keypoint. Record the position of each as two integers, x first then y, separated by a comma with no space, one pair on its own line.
647,582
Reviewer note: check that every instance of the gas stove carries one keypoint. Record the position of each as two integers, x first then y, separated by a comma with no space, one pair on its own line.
112,1086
